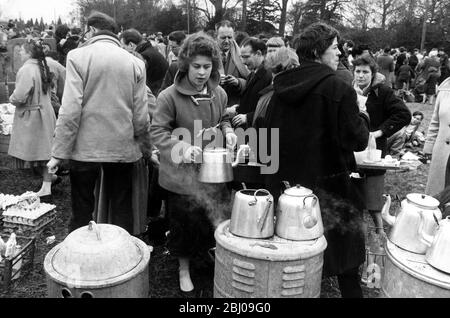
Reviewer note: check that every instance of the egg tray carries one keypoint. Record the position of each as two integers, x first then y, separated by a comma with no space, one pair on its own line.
23,225
13,268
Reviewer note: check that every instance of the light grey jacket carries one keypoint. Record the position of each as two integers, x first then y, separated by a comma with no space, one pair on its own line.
104,113
438,140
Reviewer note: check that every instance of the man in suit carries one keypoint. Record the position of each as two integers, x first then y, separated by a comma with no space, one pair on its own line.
253,52
233,72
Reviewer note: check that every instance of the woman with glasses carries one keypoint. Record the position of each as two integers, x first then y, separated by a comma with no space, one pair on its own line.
34,119
194,102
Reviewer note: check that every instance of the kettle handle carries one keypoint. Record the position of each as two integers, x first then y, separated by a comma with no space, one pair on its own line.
424,237
252,203
286,184
315,217
262,220
241,149
93,227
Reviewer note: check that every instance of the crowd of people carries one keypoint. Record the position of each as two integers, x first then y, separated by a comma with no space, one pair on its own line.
122,100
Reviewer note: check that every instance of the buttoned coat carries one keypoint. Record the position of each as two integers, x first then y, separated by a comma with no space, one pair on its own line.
438,140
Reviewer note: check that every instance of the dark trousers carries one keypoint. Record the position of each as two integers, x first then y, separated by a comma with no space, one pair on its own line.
350,284
156,194
117,179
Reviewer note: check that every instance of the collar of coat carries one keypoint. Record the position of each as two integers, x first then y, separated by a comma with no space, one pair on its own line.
377,81
104,36
184,87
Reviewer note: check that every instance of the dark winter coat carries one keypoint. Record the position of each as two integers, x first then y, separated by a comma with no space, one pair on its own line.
320,127
256,82
387,112
170,76
157,65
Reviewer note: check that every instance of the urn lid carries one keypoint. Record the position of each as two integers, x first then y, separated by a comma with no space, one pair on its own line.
96,253
298,191
423,200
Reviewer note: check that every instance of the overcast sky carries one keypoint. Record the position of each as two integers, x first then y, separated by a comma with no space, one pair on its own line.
48,9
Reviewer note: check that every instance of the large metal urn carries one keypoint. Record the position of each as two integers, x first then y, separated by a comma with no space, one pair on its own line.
98,261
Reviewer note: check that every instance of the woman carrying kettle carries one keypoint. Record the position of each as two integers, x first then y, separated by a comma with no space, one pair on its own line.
195,97
388,114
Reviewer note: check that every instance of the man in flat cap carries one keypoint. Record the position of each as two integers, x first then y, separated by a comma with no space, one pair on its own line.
103,122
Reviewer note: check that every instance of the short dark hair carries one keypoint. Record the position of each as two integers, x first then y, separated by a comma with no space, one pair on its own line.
102,22
75,31
224,23
350,43
315,40
61,31
131,35
418,113
240,36
387,49
366,59
177,36
255,44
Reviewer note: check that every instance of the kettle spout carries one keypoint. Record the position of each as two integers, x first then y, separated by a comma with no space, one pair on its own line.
390,219
242,148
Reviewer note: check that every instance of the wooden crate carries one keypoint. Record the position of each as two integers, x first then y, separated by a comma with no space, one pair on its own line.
15,267
4,143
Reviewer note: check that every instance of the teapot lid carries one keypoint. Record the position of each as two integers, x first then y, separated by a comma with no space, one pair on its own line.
423,200
298,191
96,252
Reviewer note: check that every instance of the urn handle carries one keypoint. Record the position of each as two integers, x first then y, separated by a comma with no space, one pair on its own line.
93,227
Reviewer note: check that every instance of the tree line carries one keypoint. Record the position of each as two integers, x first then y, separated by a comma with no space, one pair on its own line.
378,23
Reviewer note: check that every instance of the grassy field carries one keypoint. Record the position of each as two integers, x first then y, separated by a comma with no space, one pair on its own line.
163,267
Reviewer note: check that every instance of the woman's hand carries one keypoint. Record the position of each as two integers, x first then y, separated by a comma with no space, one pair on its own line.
53,165
231,139
239,120
154,159
191,153
377,134
231,111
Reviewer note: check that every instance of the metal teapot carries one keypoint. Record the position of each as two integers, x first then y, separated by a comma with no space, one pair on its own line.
252,215
438,255
418,211
217,165
298,215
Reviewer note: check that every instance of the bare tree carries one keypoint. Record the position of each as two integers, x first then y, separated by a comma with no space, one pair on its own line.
283,18
359,14
387,8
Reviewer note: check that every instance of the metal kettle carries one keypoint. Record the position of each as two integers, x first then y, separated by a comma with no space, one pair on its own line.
252,215
438,255
418,211
298,215
217,165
